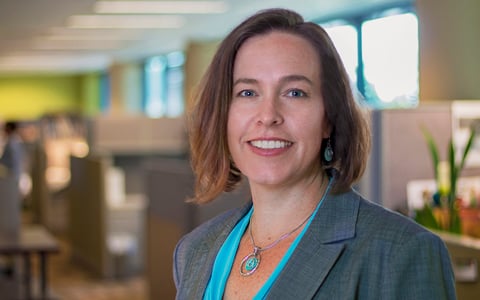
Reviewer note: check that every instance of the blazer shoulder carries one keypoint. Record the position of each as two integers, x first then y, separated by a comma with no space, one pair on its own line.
389,224
205,233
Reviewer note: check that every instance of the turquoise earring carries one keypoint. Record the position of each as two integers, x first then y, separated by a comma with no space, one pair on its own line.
328,153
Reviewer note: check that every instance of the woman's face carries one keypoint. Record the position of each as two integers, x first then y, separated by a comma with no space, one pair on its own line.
276,120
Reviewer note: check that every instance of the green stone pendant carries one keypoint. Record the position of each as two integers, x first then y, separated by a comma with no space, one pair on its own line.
250,263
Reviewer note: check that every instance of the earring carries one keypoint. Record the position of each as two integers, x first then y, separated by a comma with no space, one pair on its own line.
328,153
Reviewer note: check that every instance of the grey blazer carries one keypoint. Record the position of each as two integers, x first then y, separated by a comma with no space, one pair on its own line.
353,249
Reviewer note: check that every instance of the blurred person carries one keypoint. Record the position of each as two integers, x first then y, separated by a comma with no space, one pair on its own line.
12,157
275,107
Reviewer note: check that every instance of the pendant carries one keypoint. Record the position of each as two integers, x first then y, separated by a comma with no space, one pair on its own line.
250,263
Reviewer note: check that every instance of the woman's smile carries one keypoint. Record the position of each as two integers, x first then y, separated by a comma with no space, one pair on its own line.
270,144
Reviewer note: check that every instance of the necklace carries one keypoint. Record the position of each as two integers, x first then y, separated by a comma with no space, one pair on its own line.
250,263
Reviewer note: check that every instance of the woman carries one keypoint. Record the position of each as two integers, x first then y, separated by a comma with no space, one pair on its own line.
276,107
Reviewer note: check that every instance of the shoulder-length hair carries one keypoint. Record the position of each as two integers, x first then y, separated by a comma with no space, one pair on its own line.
350,136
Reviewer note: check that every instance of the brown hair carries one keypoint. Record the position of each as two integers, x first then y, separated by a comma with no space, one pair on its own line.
350,136
10,127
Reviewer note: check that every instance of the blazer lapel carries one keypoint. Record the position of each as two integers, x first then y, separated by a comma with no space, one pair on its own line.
319,249
205,255
200,276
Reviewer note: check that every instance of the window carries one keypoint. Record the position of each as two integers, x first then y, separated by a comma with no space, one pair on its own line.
164,78
381,56
344,37
390,58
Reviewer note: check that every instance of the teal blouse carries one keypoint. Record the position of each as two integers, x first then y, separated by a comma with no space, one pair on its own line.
226,255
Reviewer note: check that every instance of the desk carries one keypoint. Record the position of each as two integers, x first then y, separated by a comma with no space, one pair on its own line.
31,240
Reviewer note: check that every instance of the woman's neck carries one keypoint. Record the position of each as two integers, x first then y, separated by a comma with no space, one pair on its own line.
278,210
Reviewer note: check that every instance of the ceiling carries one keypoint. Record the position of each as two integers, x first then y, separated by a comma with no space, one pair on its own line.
36,35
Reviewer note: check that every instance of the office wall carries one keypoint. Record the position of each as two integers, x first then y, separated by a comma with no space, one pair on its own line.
198,57
90,102
31,96
449,47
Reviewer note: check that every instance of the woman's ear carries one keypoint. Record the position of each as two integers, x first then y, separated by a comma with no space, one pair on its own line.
327,129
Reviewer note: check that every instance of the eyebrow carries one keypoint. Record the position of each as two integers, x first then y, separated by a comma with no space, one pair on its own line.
296,77
286,79
245,80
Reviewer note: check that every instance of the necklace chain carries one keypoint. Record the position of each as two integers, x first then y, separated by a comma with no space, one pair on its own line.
260,249
251,262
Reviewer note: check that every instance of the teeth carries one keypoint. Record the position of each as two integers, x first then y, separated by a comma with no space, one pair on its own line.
270,144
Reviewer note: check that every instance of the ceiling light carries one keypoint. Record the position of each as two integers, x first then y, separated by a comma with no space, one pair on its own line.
76,45
160,7
90,37
53,61
125,21
62,33
103,31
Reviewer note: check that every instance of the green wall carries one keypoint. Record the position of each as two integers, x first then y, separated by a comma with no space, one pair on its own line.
90,93
31,96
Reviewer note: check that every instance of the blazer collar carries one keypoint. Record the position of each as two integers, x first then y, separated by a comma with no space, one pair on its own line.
208,250
336,219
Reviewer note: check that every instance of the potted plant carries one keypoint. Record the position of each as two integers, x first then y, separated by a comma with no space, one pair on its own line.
441,210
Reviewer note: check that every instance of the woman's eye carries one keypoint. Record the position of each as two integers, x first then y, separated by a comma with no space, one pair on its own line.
246,93
296,93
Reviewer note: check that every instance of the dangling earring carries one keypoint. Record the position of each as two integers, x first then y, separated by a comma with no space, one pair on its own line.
328,153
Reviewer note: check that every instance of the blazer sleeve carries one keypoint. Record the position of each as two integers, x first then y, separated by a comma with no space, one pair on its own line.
421,269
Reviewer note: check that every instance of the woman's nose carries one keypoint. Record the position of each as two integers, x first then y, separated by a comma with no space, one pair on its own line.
269,112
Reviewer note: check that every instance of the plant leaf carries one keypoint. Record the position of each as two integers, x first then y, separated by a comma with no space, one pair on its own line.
425,217
455,221
467,149
453,173
432,146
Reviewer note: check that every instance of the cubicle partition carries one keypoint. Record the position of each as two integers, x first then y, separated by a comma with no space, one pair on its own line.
168,184
106,226
87,214
9,206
